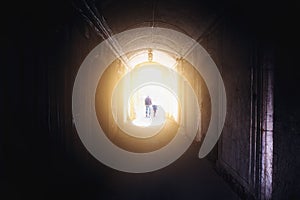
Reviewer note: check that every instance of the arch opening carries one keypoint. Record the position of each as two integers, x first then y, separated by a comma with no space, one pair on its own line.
163,99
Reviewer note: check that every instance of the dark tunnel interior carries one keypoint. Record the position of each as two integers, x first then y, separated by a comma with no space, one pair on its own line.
254,44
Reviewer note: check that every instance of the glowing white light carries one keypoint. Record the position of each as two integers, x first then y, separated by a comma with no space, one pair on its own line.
138,59
142,121
128,99
164,59
158,57
92,68
160,96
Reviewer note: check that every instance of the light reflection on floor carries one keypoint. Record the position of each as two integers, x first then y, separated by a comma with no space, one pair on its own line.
156,120
144,127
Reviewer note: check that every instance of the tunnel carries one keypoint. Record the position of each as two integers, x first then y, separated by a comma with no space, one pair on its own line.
222,75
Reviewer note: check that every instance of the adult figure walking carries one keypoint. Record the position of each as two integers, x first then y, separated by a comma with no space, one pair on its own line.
148,103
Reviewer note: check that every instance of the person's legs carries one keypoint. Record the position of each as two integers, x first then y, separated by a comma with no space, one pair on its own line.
147,111
154,110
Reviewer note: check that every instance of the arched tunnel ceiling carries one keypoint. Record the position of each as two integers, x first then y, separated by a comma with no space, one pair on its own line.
195,18
192,18
266,19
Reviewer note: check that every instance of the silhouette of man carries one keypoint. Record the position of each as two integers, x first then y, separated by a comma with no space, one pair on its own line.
148,103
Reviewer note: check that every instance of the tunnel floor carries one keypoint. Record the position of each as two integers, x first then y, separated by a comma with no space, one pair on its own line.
187,178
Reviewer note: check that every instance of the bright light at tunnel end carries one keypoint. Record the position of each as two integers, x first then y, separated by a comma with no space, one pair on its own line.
91,70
